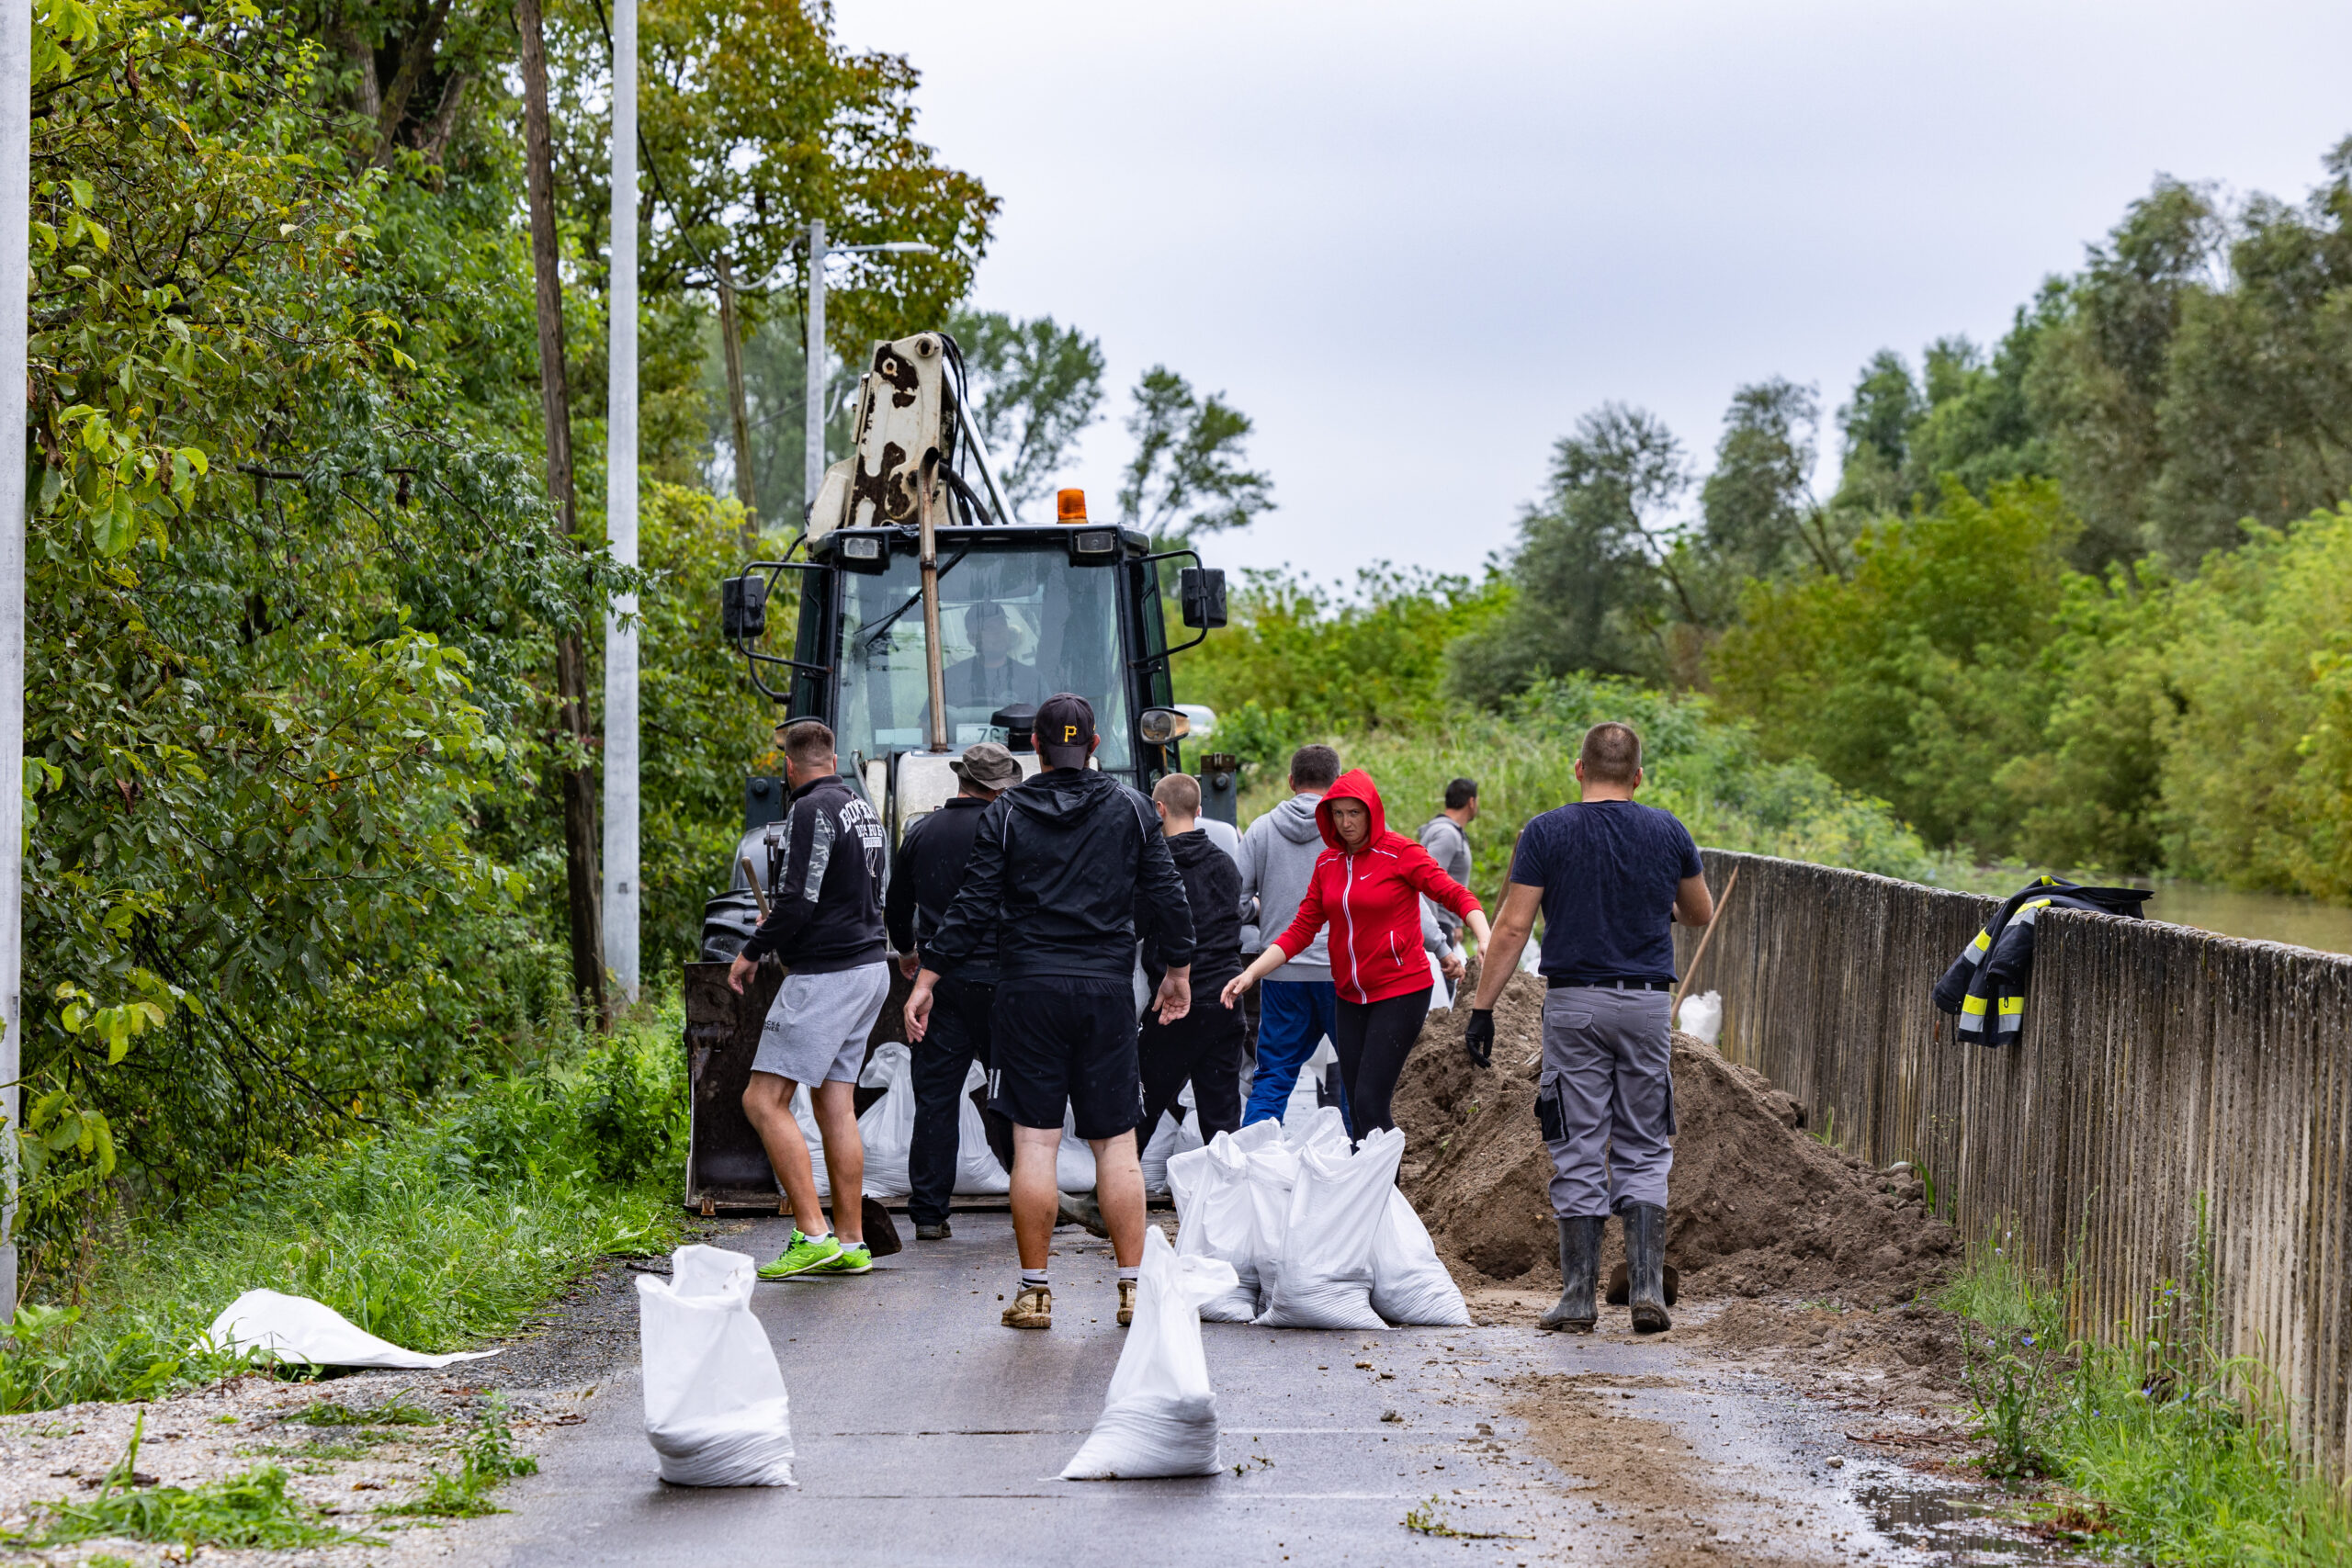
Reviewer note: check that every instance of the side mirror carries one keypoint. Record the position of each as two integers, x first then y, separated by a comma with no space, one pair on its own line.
743,607
1202,589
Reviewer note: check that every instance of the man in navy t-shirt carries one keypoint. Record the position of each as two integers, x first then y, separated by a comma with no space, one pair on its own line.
1611,879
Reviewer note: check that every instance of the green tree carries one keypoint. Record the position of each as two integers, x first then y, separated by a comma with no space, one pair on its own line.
1587,591
285,595
1186,477
1917,680
1035,386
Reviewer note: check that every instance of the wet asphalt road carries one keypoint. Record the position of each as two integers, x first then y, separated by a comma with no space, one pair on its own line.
929,1434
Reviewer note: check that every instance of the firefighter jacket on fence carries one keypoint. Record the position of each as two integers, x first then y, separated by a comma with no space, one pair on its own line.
1986,985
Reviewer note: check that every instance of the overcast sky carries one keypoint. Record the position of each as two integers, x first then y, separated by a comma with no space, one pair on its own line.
1414,241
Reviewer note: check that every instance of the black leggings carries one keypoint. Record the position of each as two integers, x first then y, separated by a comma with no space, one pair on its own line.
1372,1040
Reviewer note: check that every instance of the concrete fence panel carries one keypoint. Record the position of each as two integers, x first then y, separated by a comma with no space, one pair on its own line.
2167,1083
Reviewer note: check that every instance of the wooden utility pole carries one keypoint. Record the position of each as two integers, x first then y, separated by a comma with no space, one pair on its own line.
730,333
582,882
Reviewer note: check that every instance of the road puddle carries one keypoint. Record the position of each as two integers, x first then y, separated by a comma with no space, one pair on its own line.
1948,1525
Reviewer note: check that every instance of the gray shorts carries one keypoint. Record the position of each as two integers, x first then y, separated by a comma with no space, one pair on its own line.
816,1030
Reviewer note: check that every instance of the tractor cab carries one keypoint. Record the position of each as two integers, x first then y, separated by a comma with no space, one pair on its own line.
924,619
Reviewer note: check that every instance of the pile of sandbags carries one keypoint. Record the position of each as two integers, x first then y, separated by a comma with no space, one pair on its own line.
1317,1233
1173,1136
887,1131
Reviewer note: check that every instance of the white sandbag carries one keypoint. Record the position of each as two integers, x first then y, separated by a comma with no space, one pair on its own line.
1703,1016
1160,1418
805,1112
978,1170
1074,1161
1306,1094
1336,1202
1409,1284
296,1329
1325,1127
1170,1138
715,1406
888,1129
1215,1217
1273,1172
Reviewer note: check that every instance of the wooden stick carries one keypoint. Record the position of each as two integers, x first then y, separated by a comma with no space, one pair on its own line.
1692,972
761,898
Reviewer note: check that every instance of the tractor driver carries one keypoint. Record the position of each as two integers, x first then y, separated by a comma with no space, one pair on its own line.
991,678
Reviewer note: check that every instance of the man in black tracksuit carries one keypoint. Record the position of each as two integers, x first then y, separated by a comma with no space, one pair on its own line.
1060,868
824,923
1204,1046
924,880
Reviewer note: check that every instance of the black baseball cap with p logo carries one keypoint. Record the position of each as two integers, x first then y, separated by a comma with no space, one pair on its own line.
1065,729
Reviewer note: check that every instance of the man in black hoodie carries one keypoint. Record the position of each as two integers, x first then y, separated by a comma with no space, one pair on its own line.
1203,1046
824,920
1061,868
924,880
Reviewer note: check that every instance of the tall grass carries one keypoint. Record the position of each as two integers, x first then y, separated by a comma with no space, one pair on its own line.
1707,771
2184,1450
434,1234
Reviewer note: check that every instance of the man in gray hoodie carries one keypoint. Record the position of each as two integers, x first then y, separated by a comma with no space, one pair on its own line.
1299,1008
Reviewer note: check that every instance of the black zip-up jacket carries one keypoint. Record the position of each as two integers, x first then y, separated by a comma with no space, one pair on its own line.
825,900
1061,866
1987,984
1213,888
925,876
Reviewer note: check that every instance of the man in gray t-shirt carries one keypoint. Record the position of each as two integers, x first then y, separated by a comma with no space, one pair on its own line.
1446,836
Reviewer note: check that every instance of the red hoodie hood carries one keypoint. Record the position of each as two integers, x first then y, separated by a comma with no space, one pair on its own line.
1354,784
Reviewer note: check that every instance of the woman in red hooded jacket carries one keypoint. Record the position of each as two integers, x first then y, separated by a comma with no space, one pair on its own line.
1367,887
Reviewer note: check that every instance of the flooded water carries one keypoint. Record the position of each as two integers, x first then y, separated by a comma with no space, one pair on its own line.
2224,911
2259,917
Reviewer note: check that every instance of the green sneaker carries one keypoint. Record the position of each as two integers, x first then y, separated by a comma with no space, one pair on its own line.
858,1259
803,1254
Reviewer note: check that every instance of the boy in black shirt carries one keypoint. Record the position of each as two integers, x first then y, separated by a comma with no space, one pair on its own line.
1205,1045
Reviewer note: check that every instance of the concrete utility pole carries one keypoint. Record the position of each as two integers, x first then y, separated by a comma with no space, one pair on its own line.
622,890
812,467
15,285
812,460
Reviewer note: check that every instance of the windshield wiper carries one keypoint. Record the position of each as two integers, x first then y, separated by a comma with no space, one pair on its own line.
874,637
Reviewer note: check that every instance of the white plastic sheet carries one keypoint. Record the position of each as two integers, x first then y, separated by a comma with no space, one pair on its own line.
296,1329
1703,1016
1074,1161
887,1131
714,1406
1409,1284
1160,1418
1215,1217
978,1170
1337,1202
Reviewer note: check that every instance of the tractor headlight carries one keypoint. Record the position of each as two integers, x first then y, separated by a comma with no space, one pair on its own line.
1159,725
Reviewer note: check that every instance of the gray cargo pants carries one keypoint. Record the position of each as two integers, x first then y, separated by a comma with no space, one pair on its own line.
1606,1100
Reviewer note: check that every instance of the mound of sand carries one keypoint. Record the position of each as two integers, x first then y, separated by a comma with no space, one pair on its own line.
1755,1205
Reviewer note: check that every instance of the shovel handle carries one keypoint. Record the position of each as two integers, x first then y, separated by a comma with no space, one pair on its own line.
1691,972
759,898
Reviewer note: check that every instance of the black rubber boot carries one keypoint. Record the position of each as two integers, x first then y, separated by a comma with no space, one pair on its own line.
1645,1266
1579,1263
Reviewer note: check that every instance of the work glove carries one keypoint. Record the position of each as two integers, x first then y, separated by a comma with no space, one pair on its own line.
1479,1036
